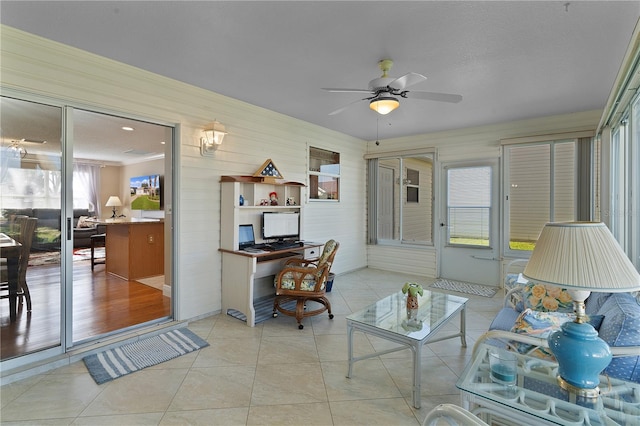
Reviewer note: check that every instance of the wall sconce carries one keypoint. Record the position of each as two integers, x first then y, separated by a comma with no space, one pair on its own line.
213,136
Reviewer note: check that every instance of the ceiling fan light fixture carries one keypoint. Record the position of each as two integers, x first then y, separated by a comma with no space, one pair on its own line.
384,104
16,149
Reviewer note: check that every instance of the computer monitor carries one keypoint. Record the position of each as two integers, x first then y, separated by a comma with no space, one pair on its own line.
246,236
280,225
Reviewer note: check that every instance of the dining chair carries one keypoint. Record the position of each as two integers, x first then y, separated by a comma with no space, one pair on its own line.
98,240
303,280
27,226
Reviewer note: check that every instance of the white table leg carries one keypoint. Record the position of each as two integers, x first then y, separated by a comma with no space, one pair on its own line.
350,348
417,373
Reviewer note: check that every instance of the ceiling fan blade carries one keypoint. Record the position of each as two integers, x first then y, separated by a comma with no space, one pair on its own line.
407,80
339,110
347,90
433,96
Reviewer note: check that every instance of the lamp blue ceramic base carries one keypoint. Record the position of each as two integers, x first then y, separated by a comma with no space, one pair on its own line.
581,356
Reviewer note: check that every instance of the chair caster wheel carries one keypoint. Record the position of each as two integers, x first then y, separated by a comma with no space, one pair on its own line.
330,316
300,327
275,315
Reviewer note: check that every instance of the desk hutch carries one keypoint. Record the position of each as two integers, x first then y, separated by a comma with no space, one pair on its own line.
241,271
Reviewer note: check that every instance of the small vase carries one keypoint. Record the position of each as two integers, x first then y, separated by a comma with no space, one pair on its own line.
412,307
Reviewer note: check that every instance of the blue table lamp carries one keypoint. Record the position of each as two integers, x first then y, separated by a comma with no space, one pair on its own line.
580,257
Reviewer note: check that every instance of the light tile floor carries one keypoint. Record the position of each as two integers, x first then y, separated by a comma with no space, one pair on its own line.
270,374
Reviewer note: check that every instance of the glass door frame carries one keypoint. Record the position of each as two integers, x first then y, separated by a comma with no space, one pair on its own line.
60,349
483,262
66,210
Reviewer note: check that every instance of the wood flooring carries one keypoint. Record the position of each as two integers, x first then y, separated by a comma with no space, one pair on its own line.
102,303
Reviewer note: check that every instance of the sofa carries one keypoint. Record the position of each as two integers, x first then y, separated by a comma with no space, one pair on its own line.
533,311
47,235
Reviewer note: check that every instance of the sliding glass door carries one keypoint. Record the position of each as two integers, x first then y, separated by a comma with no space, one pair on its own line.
31,186
64,167
120,188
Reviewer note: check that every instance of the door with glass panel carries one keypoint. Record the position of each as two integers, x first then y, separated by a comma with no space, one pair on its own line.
469,238
31,186
61,166
121,224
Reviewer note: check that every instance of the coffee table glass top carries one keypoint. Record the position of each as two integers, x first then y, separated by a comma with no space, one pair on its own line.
390,313
537,393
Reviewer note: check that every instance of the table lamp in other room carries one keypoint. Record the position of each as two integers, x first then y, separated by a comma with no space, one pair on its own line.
114,201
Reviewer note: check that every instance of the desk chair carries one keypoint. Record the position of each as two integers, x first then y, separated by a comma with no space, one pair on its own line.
304,280
27,227
98,240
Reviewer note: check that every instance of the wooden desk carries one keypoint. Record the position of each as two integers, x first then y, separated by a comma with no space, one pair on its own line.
134,248
240,269
11,249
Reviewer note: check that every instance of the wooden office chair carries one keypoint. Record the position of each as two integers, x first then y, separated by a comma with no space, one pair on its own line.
27,226
304,280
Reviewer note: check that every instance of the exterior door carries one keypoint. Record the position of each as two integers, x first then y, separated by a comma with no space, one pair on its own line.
469,223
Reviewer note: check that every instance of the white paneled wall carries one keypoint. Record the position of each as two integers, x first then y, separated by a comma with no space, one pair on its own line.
70,76
463,145
65,75
406,259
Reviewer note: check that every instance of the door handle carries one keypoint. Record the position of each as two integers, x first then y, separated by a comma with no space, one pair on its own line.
443,224
68,229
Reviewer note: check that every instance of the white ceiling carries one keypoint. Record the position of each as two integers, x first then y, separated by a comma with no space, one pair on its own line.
509,59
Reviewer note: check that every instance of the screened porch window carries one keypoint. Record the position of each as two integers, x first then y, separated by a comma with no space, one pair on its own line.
540,188
401,192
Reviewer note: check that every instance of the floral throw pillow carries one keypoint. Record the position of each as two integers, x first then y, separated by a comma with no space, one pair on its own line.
540,297
543,324
538,324
83,223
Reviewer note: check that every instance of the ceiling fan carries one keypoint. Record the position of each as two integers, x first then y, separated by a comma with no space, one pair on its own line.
386,90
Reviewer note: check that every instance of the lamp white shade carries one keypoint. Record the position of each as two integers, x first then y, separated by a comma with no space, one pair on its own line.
581,256
384,104
114,201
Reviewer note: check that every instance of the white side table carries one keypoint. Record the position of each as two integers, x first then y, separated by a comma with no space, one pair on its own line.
537,399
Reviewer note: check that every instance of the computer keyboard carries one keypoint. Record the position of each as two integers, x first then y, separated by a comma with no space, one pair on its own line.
254,250
285,245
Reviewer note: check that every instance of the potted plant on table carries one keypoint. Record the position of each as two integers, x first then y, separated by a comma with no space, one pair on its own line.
412,290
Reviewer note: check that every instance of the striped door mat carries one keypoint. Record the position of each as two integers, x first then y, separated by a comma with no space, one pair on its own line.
130,357
464,287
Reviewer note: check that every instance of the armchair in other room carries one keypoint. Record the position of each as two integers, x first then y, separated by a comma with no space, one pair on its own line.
305,280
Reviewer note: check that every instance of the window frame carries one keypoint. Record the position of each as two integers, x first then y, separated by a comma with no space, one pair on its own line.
319,174
552,141
399,197
622,209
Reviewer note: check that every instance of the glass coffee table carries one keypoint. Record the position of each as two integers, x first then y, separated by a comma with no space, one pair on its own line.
387,319
536,398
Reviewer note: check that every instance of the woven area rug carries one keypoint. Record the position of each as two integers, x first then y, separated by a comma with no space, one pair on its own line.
128,358
85,254
53,257
263,308
464,287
